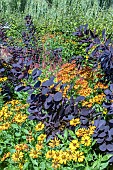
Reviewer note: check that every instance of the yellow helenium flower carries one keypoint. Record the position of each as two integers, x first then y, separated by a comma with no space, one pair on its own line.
78,156
75,122
41,137
74,144
55,163
86,140
39,146
54,142
63,158
34,154
39,126
50,154
17,156
5,126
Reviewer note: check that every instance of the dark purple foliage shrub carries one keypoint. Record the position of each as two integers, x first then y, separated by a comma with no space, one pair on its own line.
48,105
103,49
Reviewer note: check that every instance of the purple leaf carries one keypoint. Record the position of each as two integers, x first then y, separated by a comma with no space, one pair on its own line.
19,88
37,85
111,87
45,90
80,98
100,140
110,147
101,135
103,147
57,97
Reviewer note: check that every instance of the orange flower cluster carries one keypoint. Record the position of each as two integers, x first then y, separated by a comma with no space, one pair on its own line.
47,36
86,73
85,91
67,73
100,86
81,83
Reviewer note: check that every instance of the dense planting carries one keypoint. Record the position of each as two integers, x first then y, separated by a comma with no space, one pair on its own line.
56,114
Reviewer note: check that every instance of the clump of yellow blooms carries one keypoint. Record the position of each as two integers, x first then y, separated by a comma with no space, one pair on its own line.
30,71
83,131
2,79
74,145
60,157
105,111
5,126
19,118
39,145
97,99
11,112
86,140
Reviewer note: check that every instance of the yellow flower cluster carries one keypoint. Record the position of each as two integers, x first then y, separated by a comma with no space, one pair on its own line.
60,157
11,112
41,137
39,145
5,126
97,99
19,118
85,92
30,71
34,153
83,131
2,79
5,113
81,83
86,73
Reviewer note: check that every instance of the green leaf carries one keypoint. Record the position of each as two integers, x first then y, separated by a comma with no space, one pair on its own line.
34,162
106,157
42,166
23,137
15,126
65,134
72,134
25,131
17,134
12,150
103,165
95,164
60,136
25,166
